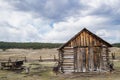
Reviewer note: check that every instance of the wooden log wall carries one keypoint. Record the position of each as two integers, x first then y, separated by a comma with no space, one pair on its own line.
85,39
84,59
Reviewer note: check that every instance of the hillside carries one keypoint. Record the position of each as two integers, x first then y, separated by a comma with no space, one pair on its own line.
28,45
34,45
116,44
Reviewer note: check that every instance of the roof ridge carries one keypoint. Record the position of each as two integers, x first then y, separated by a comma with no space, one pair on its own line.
85,29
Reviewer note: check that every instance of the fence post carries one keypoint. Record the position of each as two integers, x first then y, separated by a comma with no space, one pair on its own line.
40,58
55,58
9,59
25,59
113,56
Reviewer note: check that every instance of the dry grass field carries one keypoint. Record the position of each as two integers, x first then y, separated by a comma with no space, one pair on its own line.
30,54
43,70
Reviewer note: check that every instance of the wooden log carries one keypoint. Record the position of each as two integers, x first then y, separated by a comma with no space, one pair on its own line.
87,42
40,58
25,59
91,59
81,60
55,58
101,59
87,62
75,59
68,48
98,58
80,40
95,59
91,41
113,55
83,39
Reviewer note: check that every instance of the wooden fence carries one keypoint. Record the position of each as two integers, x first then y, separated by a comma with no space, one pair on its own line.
48,60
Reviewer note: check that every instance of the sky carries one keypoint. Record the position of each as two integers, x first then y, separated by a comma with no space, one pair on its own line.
56,21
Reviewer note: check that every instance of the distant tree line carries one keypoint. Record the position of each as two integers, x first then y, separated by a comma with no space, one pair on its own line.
29,45
116,44
33,45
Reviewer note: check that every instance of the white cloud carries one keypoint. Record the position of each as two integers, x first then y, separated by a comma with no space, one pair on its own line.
62,31
20,26
111,36
5,5
58,21
103,33
115,36
98,3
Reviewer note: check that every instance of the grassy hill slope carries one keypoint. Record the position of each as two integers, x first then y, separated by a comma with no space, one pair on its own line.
28,45
116,44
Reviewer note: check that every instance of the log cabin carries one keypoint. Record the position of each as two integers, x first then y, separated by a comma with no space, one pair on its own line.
85,52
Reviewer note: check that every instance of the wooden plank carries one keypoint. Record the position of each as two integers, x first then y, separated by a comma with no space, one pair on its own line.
68,67
77,39
59,54
107,54
69,58
81,61
80,40
98,58
68,48
68,53
74,42
68,64
91,41
91,59
87,59
75,59
101,59
68,61
95,59
85,39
